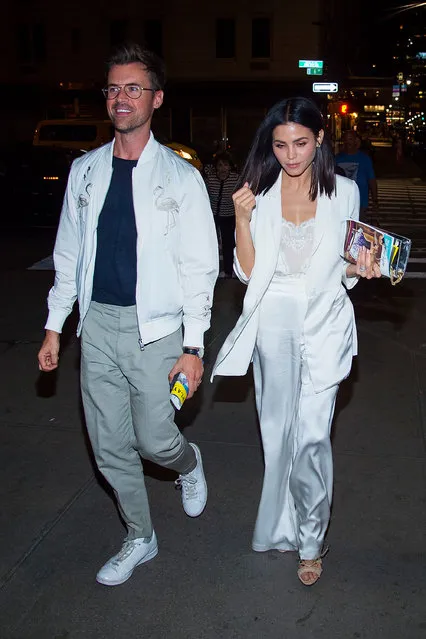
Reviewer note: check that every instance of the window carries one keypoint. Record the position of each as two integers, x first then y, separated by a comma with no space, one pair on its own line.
261,38
68,133
75,40
23,43
153,35
225,38
31,44
118,32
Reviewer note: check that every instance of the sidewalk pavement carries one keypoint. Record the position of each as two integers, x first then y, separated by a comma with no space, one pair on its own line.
59,524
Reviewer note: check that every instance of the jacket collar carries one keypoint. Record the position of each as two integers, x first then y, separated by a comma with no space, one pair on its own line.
148,152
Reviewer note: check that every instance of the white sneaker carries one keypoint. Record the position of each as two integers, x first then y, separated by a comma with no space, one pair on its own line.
133,553
194,487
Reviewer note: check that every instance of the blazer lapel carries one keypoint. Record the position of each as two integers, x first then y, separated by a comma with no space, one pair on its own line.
321,218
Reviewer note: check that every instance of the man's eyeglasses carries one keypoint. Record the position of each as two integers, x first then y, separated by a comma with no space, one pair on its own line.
133,91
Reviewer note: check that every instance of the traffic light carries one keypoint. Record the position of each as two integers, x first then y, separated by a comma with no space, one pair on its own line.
344,108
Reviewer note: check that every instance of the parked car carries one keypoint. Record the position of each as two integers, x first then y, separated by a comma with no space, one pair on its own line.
37,179
187,153
34,176
82,135
49,175
78,134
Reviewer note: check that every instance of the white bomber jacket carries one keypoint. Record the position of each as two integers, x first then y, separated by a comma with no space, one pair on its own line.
177,253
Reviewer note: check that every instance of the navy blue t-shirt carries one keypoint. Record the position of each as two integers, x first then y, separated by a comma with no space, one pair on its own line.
114,279
359,167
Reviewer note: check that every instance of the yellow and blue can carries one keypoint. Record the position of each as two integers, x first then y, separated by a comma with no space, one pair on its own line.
179,390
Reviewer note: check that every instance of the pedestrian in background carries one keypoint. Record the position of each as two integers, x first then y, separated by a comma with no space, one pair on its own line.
221,183
365,145
399,148
358,166
136,245
297,323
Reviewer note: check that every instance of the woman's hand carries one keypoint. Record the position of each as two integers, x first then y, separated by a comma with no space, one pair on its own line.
244,203
365,266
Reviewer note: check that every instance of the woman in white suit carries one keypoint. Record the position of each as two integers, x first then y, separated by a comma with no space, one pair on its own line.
297,323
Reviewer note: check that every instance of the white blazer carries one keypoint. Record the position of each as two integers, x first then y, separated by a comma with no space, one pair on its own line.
329,326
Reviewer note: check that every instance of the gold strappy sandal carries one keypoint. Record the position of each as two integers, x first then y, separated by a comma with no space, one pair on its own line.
311,566
309,571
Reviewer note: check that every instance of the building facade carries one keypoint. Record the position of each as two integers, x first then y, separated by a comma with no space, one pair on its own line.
409,65
227,61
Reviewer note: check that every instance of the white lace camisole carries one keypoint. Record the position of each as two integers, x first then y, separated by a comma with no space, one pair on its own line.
296,248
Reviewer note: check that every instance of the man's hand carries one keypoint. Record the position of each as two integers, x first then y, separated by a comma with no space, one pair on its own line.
192,367
48,355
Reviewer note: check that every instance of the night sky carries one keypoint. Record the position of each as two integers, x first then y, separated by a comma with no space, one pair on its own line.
378,26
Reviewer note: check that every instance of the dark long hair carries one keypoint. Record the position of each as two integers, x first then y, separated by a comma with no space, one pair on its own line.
262,168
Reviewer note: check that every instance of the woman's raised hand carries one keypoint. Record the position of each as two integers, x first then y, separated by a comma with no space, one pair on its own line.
244,203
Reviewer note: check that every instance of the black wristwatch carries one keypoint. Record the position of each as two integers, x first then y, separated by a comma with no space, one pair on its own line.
199,352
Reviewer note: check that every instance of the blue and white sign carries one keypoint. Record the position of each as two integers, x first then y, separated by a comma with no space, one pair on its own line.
325,87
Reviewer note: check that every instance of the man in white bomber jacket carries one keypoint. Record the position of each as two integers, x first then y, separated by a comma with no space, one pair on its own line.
136,245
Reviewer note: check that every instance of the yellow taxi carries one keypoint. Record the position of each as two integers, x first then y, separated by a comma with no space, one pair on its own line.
187,153
82,135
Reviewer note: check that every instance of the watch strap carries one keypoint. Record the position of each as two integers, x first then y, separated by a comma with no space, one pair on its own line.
192,351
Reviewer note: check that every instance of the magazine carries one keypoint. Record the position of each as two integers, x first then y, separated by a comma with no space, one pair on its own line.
390,251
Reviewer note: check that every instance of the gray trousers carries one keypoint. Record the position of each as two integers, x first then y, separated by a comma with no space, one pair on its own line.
128,413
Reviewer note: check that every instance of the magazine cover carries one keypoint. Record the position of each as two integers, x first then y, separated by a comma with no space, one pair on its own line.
390,251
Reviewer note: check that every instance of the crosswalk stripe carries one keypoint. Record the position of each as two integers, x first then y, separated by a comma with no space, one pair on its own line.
414,275
403,211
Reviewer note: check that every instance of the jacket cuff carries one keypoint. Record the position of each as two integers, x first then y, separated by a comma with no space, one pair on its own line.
239,271
193,335
349,282
56,320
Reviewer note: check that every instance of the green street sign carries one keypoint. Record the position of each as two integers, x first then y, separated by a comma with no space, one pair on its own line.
311,64
314,71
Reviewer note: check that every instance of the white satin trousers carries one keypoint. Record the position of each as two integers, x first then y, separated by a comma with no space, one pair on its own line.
295,423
